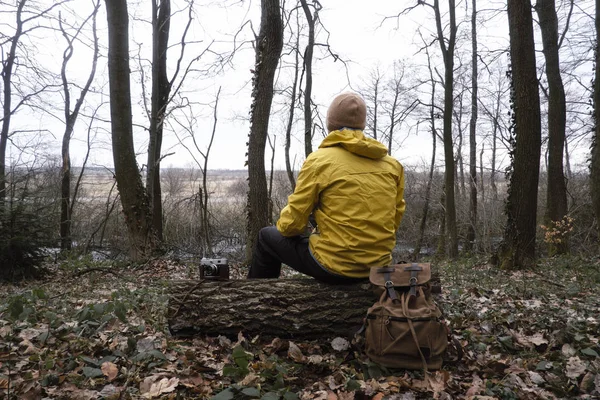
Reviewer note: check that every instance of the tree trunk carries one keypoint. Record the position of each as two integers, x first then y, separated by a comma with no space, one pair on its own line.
272,307
556,195
8,63
308,56
518,249
595,149
449,178
268,50
288,130
423,224
66,207
133,195
161,22
470,244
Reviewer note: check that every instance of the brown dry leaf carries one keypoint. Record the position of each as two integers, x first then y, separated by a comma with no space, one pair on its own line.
331,395
568,350
476,387
437,382
378,396
250,380
346,395
110,370
192,381
147,383
587,383
3,383
529,341
575,368
295,353
165,385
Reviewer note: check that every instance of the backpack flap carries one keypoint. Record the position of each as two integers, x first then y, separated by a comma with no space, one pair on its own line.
400,275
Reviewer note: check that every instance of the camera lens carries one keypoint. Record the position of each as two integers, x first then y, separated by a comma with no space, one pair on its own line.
211,270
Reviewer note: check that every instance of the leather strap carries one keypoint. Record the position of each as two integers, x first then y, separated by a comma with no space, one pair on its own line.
414,273
389,285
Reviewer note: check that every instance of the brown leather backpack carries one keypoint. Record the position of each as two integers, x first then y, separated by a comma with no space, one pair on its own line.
404,328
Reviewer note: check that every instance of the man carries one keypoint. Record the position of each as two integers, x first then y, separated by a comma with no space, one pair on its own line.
355,192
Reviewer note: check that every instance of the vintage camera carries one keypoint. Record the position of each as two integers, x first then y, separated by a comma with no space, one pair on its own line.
214,268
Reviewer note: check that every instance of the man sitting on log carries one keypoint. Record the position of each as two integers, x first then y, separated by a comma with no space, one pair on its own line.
355,192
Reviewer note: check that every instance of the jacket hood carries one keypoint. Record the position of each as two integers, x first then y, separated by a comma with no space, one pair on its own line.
355,142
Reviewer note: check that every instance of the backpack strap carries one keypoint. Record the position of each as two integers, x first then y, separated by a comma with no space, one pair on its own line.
414,273
414,334
389,285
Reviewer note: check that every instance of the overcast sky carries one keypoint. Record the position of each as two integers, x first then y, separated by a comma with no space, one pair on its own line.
359,34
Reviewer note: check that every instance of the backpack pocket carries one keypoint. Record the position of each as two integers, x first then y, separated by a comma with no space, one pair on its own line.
392,342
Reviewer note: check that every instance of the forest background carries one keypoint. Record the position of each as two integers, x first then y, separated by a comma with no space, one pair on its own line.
139,136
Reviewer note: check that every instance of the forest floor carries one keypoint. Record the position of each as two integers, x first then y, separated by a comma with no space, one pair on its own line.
98,330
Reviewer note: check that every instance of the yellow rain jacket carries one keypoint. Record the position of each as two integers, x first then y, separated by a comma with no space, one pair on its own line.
356,192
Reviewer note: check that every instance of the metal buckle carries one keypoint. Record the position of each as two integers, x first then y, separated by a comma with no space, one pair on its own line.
413,281
389,284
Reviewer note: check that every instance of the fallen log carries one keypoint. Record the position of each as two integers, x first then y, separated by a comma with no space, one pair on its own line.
290,308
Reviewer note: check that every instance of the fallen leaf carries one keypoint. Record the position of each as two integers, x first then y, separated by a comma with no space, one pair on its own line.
110,390
110,370
378,396
250,380
165,385
295,353
315,359
340,344
437,382
587,383
476,386
536,378
568,350
575,368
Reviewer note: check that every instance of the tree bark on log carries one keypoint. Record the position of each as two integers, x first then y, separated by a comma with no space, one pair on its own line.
290,308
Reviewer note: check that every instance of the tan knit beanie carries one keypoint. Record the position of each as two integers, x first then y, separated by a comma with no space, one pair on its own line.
347,110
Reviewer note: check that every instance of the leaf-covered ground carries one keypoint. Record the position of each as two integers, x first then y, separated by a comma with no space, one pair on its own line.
97,330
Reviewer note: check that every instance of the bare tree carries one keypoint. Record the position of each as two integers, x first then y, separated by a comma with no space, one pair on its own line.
70,120
290,123
595,148
556,195
472,135
518,248
398,106
447,46
25,23
373,96
311,19
134,199
269,44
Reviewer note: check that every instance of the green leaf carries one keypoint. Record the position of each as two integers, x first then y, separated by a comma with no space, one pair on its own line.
99,308
290,396
241,357
121,311
91,361
230,370
43,337
251,392
16,307
352,385
270,396
543,366
92,372
589,352
39,293
507,341
226,394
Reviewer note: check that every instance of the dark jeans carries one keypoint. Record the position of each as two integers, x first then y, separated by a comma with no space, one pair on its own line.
273,249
